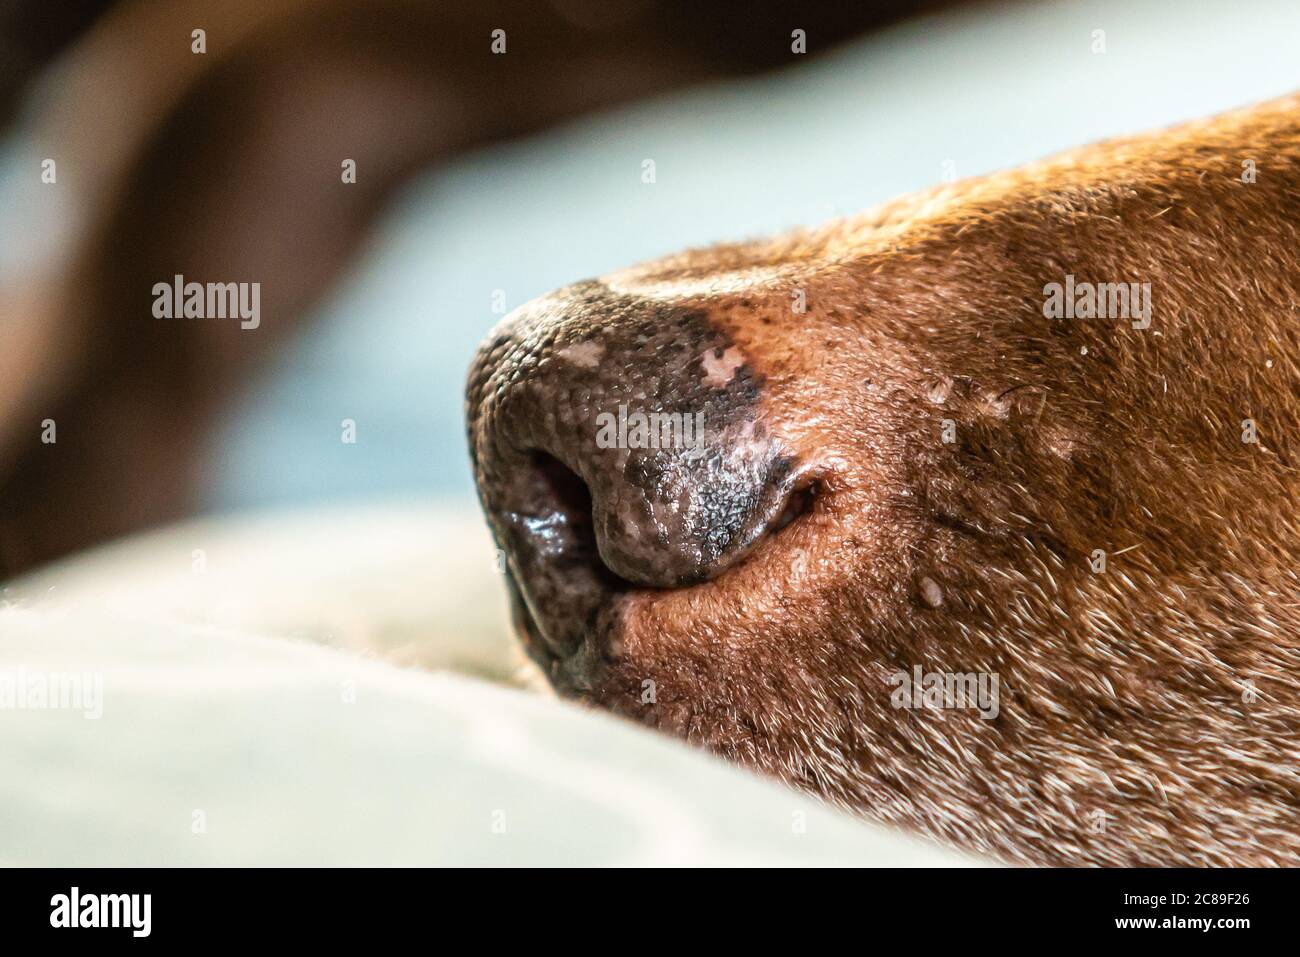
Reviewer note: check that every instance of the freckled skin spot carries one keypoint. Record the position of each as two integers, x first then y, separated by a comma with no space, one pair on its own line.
931,593
584,354
720,365
937,392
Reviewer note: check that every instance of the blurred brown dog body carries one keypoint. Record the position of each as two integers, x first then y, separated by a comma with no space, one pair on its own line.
214,141
1099,511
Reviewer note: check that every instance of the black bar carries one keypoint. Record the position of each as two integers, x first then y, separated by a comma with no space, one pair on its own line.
336,908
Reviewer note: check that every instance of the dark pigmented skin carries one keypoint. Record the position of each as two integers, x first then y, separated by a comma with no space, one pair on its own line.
658,517
970,458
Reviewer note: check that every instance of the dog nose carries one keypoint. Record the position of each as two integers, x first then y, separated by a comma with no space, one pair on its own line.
621,441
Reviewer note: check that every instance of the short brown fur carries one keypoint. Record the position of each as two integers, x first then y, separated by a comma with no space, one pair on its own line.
1150,712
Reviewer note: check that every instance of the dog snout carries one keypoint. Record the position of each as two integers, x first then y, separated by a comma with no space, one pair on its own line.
619,442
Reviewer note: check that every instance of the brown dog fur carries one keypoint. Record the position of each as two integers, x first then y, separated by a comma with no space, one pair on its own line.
1150,712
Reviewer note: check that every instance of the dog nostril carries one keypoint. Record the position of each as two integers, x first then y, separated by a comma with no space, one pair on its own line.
562,518
800,503
566,530
561,527
564,487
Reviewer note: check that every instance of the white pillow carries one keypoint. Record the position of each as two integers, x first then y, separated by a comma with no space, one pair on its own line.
204,724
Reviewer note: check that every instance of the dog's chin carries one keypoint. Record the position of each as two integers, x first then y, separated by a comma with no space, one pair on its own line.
670,658
570,675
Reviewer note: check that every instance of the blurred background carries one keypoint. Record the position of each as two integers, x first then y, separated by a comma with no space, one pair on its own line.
479,209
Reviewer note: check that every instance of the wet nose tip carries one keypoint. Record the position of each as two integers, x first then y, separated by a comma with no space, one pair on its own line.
648,409
666,519
671,518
